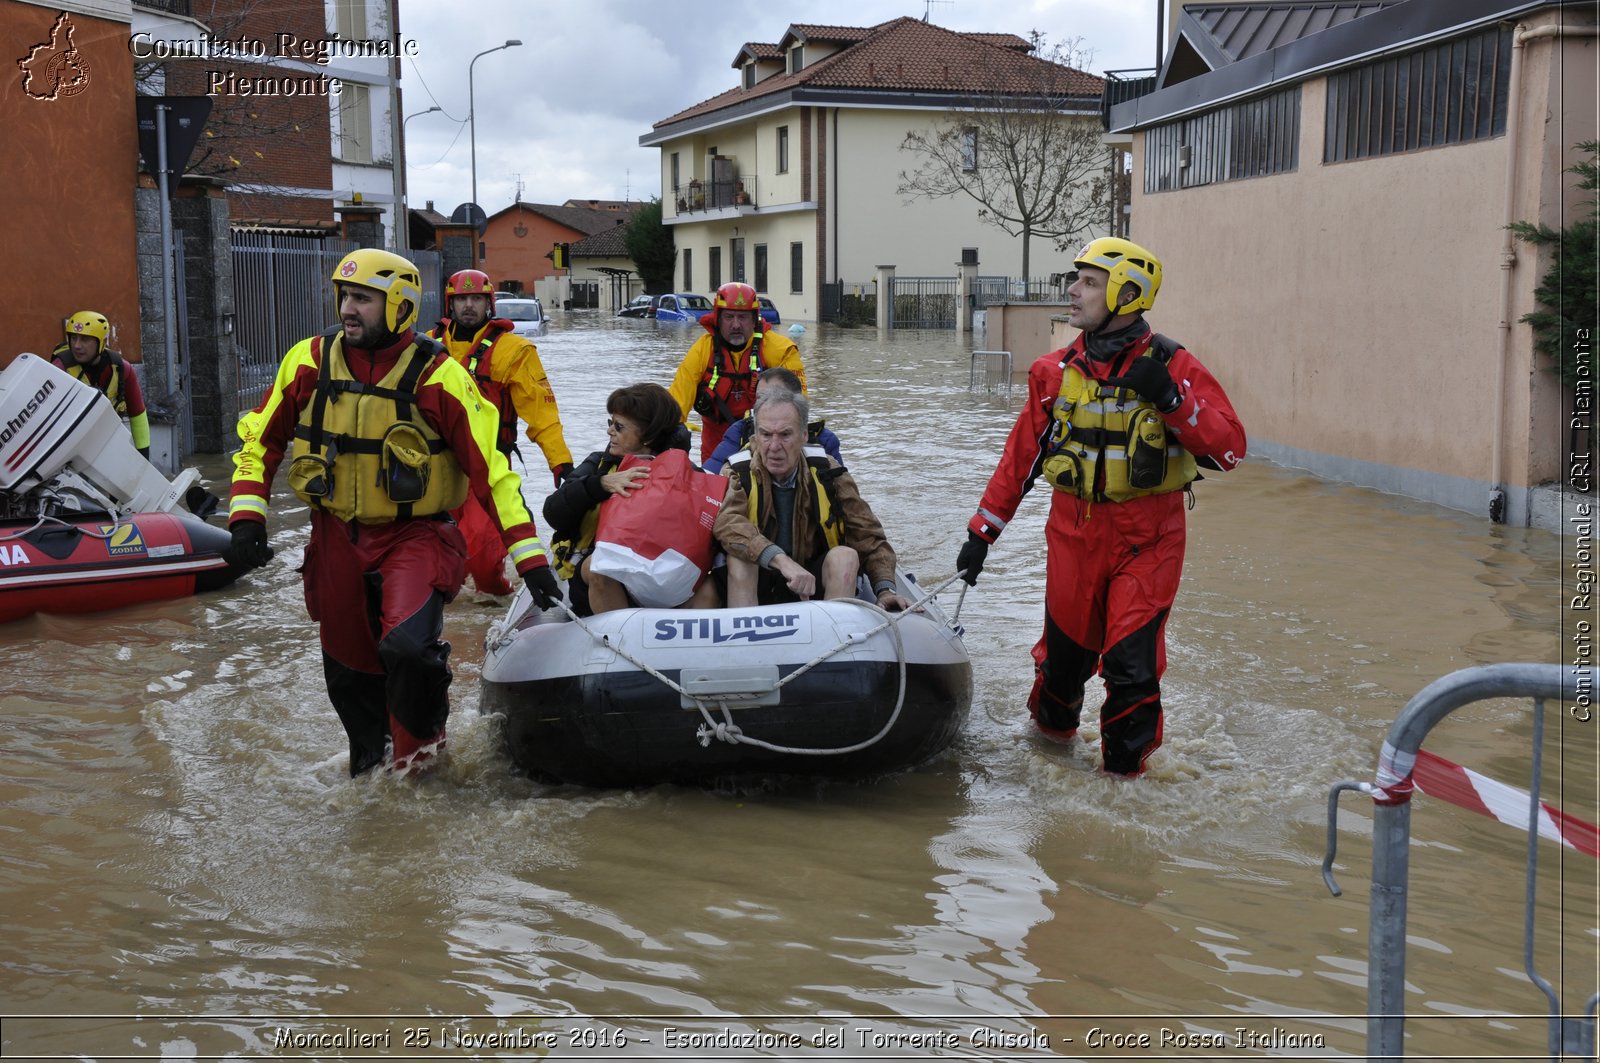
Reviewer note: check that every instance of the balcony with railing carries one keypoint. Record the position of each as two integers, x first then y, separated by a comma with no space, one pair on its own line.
1122,86
728,194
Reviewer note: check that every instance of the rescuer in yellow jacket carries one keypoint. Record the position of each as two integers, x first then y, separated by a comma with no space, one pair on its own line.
717,376
385,434
508,371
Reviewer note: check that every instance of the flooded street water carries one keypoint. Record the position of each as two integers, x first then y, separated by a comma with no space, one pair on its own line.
189,872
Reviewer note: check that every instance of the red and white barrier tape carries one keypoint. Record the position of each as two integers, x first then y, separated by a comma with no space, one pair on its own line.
1440,778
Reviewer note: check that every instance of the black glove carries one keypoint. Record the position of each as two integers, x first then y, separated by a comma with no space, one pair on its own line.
562,473
201,503
1150,379
249,548
541,583
969,562
144,452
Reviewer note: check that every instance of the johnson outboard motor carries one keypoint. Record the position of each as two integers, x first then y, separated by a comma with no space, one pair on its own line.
64,450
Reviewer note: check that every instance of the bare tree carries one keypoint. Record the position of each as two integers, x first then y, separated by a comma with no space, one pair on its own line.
1027,149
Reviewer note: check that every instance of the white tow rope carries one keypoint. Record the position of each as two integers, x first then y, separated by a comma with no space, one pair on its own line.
725,730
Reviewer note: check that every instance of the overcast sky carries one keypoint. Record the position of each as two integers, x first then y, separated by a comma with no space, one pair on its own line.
564,112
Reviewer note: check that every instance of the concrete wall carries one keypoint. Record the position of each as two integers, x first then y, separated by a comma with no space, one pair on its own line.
1353,310
921,237
1027,330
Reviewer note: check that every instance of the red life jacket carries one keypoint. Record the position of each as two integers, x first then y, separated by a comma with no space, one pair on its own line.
477,363
726,393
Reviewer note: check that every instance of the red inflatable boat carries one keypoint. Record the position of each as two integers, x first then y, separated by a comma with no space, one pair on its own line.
86,523
101,563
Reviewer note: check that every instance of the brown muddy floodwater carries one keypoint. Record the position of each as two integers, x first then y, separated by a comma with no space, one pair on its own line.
188,872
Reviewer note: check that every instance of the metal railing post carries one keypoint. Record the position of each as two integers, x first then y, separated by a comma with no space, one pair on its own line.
1391,845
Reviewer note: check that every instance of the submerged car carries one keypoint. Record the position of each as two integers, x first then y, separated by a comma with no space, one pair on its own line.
525,313
639,306
681,306
769,312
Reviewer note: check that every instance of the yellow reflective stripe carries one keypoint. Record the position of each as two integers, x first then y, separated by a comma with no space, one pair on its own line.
247,504
525,549
139,425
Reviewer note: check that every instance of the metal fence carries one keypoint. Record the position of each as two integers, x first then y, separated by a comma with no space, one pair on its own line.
282,294
988,291
932,302
924,302
1571,1032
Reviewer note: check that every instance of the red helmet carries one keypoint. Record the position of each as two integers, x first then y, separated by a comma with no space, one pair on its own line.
736,296
468,282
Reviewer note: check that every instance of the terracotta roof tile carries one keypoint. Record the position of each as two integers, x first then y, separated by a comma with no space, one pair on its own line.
909,55
611,243
580,219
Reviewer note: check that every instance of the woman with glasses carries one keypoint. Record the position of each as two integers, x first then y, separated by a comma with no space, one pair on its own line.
643,421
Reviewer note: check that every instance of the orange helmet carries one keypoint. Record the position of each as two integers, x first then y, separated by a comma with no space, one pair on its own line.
468,282
736,296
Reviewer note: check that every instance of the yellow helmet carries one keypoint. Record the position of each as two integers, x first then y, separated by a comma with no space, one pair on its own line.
89,323
386,272
1128,263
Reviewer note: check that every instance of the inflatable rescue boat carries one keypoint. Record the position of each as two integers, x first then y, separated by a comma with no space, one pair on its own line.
86,523
637,697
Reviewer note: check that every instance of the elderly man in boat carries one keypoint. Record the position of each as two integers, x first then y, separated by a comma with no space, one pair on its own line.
793,523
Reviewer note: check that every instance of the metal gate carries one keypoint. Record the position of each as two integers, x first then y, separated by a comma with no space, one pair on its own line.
1569,1035
924,302
281,295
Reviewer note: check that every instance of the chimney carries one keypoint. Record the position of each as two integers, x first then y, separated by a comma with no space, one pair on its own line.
430,206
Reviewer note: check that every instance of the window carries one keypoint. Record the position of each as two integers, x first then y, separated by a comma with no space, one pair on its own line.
688,269
716,267
736,258
783,149
350,19
1251,138
797,59
1449,93
969,149
761,267
749,75
355,124
675,174
796,267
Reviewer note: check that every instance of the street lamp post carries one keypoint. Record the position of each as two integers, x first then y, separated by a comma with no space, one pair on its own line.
472,113
402,228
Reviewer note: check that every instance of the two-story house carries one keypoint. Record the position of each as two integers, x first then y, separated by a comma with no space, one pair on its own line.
789,180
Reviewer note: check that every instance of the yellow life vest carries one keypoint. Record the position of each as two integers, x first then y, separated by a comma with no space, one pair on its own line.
364,452
113,389
822,474
1109,445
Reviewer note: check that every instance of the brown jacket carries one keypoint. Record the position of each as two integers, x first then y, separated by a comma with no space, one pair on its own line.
748,541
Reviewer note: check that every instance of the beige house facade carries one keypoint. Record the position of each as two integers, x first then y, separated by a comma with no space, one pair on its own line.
789,182
1330,204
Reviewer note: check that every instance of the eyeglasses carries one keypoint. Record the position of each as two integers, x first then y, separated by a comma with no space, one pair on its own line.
619,426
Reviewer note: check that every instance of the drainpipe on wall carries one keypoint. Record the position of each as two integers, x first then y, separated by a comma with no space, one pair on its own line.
1508,248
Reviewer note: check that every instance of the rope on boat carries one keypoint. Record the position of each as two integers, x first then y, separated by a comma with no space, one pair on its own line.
44,519
726,730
